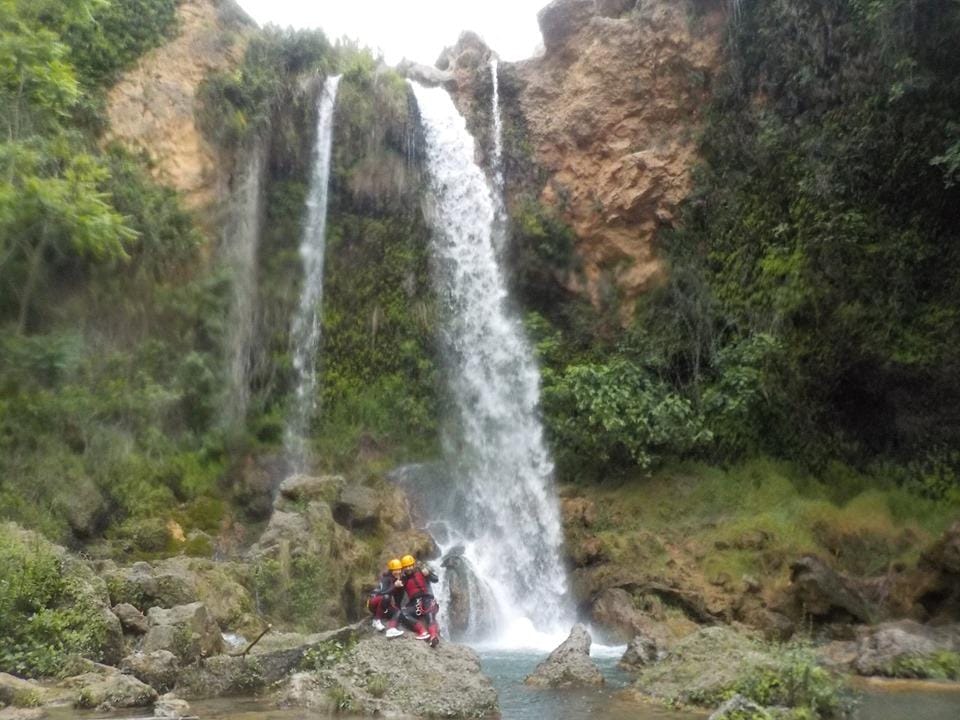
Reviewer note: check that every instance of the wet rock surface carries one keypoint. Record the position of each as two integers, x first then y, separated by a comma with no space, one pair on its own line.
569,665
640,652
187,631
113,690
158,669
420,681
469,601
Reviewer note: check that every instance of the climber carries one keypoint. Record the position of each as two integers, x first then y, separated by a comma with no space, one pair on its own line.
420,608
384,601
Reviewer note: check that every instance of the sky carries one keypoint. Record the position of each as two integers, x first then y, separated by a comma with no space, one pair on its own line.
415,29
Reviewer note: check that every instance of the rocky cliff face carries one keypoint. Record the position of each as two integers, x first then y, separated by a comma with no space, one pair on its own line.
152,107
610,115
612,109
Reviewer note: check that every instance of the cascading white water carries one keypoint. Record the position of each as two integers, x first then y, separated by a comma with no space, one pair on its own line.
500,503
305,332
499,209
241,240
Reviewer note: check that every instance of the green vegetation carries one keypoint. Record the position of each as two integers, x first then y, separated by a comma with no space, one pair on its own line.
810,311
236,106
796,681
46,611
756,517
109,375
380,374
943,665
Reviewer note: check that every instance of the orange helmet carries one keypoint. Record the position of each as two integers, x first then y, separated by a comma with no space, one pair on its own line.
408,561
394,564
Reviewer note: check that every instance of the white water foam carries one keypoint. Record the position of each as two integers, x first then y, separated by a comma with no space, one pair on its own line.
499,504
305,333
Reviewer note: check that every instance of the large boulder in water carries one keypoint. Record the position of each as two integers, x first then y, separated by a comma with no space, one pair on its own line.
400,677
569,665
470,604
188,631
893,648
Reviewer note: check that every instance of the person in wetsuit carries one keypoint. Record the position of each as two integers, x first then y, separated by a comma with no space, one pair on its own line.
419,610
384,601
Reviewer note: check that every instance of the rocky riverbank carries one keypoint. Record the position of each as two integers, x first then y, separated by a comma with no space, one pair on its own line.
108,635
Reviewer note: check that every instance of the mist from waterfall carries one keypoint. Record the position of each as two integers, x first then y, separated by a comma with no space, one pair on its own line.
499,504
240,244
305,330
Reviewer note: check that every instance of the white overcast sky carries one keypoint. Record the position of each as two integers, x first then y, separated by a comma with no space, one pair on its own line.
415,29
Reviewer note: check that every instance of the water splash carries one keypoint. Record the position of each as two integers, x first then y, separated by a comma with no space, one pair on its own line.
240,244
500,504
305,333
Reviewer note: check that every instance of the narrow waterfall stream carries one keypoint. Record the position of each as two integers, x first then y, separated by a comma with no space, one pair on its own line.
241,240
499,206
305,330
499,505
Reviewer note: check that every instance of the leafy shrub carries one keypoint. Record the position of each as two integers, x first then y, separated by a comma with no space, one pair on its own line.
943,665
618,412
796,681
46,614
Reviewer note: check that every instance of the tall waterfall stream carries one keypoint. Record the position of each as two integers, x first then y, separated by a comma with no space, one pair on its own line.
241,240
500,505
305,331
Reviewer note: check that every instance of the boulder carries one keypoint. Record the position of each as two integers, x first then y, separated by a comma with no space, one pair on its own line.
171,707
739,707
704,667
144,586
621,620
115,691
569,665
469,601
131,619
222,587
561,19
357,507
305,489
884,649
112,649
418,543
86,509
188,631
158,669
270,661
640,652
255,481
420,681
817,590
20,693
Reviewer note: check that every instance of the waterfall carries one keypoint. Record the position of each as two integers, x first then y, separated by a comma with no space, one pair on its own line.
499,505
499,209
241,240
305,331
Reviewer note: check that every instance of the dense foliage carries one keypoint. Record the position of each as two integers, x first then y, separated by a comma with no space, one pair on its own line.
46,609
811,310
108,368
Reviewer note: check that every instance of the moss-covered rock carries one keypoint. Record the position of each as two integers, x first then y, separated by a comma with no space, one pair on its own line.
52,605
